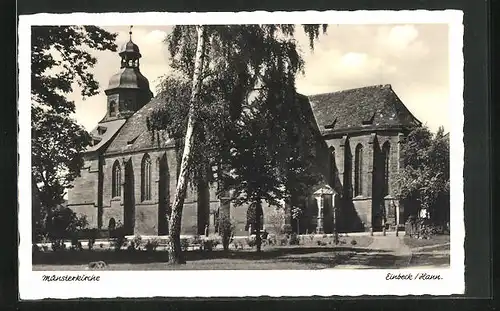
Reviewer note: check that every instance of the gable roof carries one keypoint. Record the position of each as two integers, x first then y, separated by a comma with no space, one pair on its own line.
368,107
134,134
103,133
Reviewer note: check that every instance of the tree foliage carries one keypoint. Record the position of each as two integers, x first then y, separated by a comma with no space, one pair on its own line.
250,128
60,57
425,176
60,60
247,97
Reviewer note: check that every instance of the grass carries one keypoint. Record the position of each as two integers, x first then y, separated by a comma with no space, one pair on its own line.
429,252
433,241
271,258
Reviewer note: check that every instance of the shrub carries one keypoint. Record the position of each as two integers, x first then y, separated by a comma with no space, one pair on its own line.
184,244
63,223
76,244
276,219
335,238
354,242
211,242
208,245
422,227
294,239
196,239
91,243
251,242
58,245
45,248
152,244
136,242
118,238
215,243
235,245
226,229
311,236
283,241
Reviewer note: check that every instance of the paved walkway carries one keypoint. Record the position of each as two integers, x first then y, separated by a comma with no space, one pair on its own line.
385,252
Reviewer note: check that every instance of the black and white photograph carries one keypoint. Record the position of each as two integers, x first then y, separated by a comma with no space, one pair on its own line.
241,148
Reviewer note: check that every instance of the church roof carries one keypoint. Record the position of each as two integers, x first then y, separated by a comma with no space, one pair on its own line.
103,133
128,78
134,134
129,47
368,107
372,107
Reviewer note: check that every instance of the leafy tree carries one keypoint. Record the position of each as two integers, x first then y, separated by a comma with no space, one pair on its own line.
242,87
425,176
60,59
65,223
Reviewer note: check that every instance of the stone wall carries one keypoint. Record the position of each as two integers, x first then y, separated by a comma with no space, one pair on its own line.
358,210
82,198
354,214
84,189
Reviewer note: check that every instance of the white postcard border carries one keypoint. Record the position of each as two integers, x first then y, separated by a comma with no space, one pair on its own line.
274,283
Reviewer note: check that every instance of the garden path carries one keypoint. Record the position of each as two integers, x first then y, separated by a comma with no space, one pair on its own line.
385,252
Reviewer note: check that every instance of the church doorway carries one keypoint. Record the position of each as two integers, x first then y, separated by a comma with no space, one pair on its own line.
163,196
129,200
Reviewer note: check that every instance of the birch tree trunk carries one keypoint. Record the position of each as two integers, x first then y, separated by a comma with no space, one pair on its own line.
175,255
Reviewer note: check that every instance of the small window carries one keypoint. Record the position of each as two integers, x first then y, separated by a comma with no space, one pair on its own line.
369,121
113,109
101,130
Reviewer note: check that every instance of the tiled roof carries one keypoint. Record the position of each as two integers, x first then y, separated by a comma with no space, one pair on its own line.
134,134
128,78
356,109
103,133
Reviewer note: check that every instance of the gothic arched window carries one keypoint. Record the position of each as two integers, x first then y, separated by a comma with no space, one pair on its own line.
386,148
333,171
116,182
358,171
146,178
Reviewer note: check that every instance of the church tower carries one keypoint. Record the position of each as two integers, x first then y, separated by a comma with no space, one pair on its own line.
128,89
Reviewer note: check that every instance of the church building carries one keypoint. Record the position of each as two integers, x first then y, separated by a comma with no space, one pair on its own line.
129,179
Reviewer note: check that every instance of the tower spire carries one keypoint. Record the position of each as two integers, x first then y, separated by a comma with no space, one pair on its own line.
130,32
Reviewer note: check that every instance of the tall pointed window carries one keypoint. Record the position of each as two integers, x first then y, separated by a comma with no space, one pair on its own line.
116,181
146,178
386,148
333,170
358,171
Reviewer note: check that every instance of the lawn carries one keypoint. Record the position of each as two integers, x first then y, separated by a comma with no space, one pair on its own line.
429,252
436,240
271,258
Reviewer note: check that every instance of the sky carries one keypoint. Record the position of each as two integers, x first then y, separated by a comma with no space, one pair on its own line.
413,58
